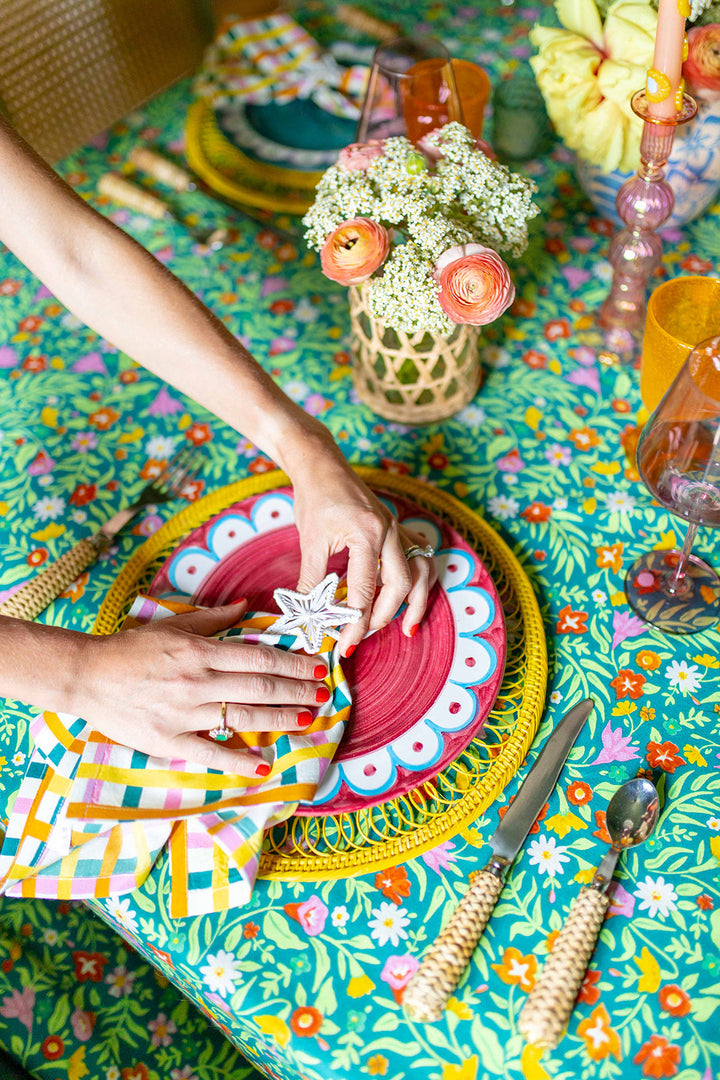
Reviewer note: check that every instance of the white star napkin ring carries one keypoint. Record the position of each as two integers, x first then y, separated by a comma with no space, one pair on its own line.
313,615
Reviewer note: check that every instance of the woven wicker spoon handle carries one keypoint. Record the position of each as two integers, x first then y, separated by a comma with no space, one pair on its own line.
442,968
549,1004
34,597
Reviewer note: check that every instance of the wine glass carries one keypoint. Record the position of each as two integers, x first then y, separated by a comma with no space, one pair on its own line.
678,459
411,91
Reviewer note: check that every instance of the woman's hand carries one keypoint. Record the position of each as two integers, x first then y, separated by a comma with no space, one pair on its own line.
335,510
157,687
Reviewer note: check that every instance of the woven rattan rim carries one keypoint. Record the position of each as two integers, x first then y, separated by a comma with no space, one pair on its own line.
402,828
236,177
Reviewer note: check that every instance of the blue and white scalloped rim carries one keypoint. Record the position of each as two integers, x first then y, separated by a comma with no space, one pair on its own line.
474,660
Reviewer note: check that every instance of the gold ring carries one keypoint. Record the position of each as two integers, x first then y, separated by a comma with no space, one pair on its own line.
223,732
415,550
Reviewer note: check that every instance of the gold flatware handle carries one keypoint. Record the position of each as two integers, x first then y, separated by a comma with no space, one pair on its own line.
33,597
123,191
442,967
550,1003
161,168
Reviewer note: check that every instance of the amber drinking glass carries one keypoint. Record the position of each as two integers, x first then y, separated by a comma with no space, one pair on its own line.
411,91
679,461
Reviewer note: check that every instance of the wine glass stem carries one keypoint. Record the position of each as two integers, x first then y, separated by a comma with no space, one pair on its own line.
676,585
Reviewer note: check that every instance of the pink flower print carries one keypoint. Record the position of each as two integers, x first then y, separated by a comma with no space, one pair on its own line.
84,441
82,1024
511,463
621,901
272,285
8,357
40,464
625,626
588,377
316,404
19,1006
164,404
311,915
162,1029
148,525
574,277
91,362
399,970
558,455
616,746
440,857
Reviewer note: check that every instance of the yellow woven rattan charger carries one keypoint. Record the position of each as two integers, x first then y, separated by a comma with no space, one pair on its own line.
341,845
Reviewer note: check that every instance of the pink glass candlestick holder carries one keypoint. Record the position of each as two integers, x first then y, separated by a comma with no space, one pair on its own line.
643,203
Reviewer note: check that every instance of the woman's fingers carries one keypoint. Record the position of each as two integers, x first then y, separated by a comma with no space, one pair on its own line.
234,656
212,755
239,717
255,689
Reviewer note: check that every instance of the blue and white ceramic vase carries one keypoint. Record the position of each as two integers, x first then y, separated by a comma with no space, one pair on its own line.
693,170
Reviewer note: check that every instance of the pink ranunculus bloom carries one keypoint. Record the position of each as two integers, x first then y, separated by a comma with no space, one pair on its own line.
399,970
475,284
358,156
701,70
354,251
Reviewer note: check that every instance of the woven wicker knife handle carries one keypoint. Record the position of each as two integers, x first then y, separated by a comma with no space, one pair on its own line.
549,1004
33,597
159,167
442,968
122,191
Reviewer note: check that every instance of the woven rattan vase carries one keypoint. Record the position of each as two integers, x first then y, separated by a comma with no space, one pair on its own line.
413,378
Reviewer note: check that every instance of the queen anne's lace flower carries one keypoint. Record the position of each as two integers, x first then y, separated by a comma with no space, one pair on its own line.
430,204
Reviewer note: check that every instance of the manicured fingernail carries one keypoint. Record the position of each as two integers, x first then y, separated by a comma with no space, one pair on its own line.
240,600
320,672
322,695
305,718
413,630
263,769
350,650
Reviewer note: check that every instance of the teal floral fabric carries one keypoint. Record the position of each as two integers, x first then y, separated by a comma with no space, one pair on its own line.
307,980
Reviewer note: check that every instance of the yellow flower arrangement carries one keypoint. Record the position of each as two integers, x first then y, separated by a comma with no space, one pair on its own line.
587,72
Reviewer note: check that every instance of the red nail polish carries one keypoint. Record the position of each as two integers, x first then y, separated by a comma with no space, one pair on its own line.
263,769
320,672
305,718
350,650
240,600
322,695
413,630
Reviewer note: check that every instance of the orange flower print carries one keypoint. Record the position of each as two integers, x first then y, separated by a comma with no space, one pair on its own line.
535,359
198,434
602,830
37,557
674,1000
535,827
589,992
600,1038
34,364
704,902
536,511
83,494
102,419
664,756
30,323
377,1065
584,438
571,622
557,328
306,1021
628,683
192,490
579,793
135,1072
609,557
659,1057
523,307
648,660
52,1048
393,883
516,969
260,465
8,287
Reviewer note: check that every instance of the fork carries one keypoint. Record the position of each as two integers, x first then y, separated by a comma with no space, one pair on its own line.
33,597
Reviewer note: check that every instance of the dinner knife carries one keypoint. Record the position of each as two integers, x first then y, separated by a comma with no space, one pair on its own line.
443,965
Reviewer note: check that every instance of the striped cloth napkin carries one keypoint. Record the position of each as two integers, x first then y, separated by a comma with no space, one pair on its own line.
92,817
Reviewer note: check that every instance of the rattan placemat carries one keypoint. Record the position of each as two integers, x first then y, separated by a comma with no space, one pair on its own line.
341,845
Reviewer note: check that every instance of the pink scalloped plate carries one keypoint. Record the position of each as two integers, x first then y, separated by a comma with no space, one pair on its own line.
417,702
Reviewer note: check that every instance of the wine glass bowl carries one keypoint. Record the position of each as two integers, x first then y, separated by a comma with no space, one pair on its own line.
678,459
411,91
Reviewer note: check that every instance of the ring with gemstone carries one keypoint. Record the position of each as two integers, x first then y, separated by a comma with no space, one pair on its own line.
223,732
415,550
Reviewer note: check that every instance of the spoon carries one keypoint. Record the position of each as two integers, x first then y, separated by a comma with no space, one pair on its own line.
631,817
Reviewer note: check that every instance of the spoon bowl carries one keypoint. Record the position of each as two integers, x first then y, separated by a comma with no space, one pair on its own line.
632,813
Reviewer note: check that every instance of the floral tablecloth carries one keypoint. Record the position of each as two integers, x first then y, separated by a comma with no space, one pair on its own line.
307,980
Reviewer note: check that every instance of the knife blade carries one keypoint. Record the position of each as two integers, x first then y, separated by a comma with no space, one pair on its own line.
443,965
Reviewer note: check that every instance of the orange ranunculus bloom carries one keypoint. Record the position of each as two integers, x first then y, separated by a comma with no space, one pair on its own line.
354,251
628,683
601,1039
306,1020
475,284
702,67
648,660
660,1057
579,793
664,756
609,556
584,438
393,883
516,969
674,1000
571,622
